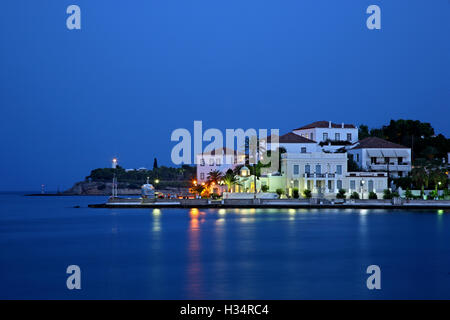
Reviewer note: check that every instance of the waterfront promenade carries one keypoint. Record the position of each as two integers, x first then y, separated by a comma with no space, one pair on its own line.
275,203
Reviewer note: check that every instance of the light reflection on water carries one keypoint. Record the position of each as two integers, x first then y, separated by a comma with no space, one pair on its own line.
220,254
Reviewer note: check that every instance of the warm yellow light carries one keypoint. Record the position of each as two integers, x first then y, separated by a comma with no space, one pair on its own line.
156,180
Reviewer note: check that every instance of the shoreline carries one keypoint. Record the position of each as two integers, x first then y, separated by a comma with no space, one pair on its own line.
270,205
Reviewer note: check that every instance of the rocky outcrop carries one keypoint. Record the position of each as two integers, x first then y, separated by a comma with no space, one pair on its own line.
100,188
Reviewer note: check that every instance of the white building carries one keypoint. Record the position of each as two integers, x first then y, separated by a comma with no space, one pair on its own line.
376,154
324,131
293,143
221,159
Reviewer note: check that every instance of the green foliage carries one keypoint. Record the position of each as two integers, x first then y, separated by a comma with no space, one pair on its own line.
295,193
412,133
408,194
387,195
372,195
280,192
341,194
354,195
265,188
307,193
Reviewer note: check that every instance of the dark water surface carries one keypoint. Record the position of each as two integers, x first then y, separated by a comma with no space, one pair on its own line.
218,254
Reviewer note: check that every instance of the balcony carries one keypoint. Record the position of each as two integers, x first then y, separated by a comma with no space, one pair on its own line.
320,175
393,166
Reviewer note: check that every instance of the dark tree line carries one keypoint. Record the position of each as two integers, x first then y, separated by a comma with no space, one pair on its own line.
419,136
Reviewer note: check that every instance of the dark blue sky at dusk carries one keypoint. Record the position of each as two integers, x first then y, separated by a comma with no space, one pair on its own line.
137,70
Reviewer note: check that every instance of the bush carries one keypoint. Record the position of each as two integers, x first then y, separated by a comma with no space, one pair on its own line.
354,195
372,195
280,192
265,188
295,193
341,194
307,193
408,194
387,195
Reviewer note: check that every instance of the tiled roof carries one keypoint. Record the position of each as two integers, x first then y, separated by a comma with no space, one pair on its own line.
325,124
291,137
374,142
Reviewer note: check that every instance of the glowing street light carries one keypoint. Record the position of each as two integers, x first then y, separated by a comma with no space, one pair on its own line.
156,181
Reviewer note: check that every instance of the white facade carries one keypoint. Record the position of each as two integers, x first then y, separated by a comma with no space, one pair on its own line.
322,131
394,160
217,160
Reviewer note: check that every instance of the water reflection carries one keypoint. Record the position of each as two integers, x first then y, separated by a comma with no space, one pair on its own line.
194,268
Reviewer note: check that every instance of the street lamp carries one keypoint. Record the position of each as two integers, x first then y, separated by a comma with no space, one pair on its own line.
156,181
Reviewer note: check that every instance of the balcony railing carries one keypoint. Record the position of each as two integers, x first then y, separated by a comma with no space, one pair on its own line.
319,175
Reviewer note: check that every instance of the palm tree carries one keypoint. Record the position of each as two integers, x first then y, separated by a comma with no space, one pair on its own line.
215,177
230,180
420,178
198,189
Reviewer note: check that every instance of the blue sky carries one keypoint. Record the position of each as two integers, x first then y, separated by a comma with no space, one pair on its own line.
70,100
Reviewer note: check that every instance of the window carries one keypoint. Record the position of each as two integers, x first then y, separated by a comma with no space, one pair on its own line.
349,137
339,169
337,136
218,162
311,136
303,149
211,162
352,185
370,185
307,168
202,162
202,176
318,169
339,184
325,136
357,157
330,185
296,170
373,160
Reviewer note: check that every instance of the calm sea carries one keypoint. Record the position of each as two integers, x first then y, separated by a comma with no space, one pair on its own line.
218,254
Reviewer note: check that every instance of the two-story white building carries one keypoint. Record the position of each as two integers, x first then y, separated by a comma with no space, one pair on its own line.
221,159
376,154
324,131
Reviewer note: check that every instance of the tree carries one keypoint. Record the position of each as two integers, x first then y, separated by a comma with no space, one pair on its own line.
295,193
307,193
420,178
198,189
354,195
363,132
265,188
341,194
387,195
230,180
155,164
280,192
372,195
214,176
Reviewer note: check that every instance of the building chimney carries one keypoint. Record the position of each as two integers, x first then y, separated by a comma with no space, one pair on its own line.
329,124
342,125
